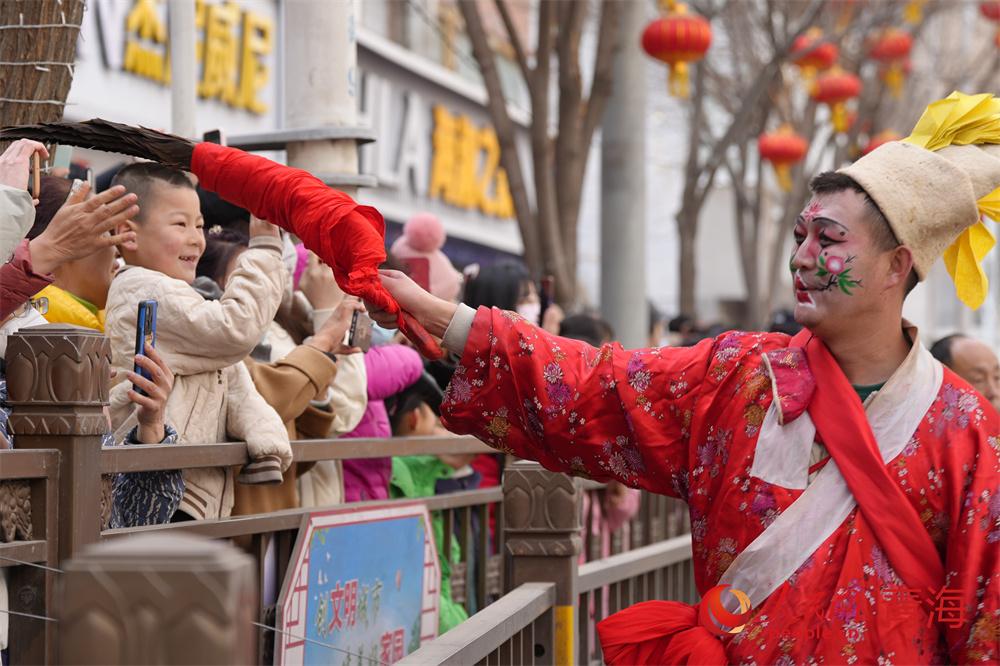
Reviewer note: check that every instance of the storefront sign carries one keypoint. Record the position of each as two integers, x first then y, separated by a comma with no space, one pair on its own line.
232,49
363,587
433,151
465,169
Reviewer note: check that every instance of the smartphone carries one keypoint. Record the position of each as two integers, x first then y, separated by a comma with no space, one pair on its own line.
145,333
360,334
546,296
214,136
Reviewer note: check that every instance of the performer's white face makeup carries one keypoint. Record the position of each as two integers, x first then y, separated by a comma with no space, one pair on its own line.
169,239
839,274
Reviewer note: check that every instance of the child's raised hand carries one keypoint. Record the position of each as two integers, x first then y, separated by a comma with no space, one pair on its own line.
318,284
259,227
152,406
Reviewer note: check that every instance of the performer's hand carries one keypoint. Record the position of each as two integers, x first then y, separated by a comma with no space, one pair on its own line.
434,313
260,227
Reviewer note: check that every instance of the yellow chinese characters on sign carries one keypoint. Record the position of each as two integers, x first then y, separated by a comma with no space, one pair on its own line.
465,168
232,50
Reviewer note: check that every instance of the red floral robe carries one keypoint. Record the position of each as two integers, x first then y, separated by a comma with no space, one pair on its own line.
684,422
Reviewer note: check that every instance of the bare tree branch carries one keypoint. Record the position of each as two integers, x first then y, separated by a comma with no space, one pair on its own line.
505,130
604,60
515,40
755,90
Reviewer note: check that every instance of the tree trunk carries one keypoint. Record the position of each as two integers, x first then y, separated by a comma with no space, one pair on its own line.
686,231
35,92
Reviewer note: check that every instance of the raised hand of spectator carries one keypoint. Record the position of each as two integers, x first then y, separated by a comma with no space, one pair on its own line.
330,336
318,284
15,163
152,406
82,226
259,227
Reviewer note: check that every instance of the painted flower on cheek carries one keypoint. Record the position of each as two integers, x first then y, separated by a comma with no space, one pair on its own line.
835,265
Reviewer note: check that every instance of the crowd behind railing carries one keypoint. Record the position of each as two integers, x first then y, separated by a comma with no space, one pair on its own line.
221,328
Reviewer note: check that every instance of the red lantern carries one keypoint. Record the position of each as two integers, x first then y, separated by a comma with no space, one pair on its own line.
677,39
892,50
782,148
811,53
885,136
834,88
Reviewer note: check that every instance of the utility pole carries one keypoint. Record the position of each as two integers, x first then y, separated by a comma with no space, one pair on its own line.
183,68
623,188
321,85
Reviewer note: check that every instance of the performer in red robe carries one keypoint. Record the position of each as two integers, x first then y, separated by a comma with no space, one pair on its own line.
843,480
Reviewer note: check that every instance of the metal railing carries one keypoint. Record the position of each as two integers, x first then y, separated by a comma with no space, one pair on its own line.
503,634
657,571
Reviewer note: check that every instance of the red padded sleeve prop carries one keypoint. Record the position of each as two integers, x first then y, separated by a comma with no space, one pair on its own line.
345,235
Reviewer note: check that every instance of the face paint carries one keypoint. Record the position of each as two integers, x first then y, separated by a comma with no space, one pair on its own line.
811,211
834,270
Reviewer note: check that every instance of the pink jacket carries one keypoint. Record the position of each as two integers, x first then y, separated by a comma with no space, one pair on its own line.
18,282
391,368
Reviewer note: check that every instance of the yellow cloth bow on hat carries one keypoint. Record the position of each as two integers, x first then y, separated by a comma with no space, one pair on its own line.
962,119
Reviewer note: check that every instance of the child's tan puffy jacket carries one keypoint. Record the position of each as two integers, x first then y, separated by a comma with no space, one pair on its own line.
204,343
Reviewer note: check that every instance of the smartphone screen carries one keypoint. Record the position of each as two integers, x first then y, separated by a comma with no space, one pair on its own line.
145,333
360,335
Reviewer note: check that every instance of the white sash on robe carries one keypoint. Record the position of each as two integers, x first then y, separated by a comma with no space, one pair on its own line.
894,413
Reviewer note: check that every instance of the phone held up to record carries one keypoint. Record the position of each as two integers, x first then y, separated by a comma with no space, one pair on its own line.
360,333
145,333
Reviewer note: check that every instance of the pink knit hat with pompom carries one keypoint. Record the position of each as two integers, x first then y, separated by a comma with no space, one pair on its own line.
423,237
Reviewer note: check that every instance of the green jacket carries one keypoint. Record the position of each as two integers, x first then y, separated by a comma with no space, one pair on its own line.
415,476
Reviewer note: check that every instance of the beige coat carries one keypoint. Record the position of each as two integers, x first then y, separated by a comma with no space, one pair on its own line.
347,399
18,215
204,343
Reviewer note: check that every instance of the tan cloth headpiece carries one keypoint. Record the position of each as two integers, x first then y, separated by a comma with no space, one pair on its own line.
935,185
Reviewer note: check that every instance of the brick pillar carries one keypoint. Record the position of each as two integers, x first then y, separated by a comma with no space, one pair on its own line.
542,531
157,599
58,380
57,386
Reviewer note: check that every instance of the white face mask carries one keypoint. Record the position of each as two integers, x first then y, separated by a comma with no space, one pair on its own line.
28,319
530,311
381,336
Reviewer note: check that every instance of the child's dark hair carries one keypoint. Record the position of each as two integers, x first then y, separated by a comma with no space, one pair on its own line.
221,245
498,286
139,179
585,327
54,192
